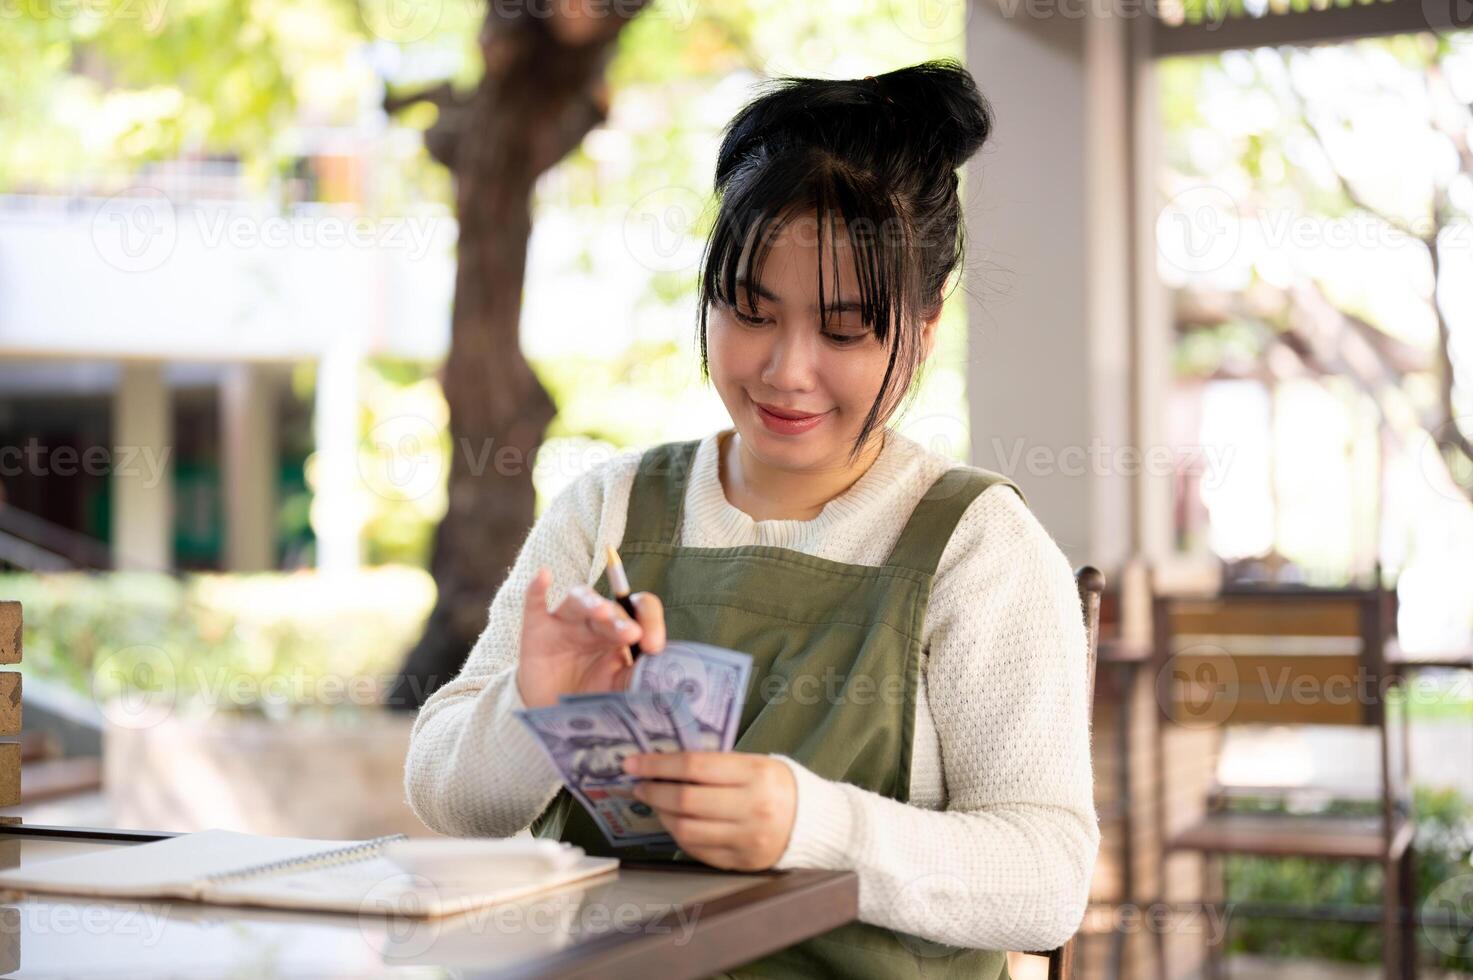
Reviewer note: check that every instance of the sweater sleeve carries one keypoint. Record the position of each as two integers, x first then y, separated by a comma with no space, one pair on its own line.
472,769
1007,864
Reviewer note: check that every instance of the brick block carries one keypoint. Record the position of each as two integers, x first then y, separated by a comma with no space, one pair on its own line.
9,773
9,702
10,621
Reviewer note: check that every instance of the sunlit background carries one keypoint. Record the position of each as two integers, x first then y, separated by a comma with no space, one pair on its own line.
227,264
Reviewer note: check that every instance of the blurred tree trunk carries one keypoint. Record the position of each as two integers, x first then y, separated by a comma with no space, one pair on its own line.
543,90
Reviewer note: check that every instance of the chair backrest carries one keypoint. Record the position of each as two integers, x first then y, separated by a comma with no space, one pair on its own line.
1289,657
1091,584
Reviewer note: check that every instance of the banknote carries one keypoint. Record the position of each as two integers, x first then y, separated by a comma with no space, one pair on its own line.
687,697
713,680
588,741
665,721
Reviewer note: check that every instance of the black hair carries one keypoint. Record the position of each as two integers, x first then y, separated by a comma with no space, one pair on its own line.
877,154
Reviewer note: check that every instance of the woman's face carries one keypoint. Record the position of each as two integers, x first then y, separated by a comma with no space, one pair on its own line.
779,355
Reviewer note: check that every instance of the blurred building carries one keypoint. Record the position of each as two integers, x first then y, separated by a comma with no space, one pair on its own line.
148,339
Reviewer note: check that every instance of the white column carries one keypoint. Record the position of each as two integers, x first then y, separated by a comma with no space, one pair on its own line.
142,475
248,466
1049,212
338,511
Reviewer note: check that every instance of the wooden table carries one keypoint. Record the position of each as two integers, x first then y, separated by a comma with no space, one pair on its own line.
646,920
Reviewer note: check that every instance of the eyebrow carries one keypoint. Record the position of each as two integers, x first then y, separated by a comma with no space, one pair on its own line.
843,306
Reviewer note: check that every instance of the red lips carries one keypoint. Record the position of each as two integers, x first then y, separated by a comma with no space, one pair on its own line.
784,413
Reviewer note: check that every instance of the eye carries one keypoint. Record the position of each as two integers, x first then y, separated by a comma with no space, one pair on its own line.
750,320
846,339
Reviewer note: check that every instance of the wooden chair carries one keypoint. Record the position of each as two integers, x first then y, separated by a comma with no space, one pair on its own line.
1286,658
1091,584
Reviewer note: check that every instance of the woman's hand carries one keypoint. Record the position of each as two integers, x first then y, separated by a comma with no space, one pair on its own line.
582,647
731,810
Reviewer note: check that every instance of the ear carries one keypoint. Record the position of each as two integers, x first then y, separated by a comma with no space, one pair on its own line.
928,335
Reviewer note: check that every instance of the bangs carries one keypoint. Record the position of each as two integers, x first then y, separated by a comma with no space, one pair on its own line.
757,210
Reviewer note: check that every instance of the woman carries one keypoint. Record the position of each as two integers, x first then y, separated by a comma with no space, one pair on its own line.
917,711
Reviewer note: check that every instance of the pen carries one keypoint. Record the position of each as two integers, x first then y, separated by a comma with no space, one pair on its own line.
620,584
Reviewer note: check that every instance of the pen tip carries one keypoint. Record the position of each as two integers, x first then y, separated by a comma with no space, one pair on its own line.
614,556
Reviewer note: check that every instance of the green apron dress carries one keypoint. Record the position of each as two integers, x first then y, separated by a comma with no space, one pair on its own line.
836,653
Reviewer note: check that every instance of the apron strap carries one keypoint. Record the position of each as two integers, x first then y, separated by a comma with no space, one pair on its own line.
935,517
658,494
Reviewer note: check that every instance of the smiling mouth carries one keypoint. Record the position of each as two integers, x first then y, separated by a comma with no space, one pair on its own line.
788,415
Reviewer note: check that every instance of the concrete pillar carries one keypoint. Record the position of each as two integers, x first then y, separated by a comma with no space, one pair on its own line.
248,467
143,472
1069,366
338,509
1053,250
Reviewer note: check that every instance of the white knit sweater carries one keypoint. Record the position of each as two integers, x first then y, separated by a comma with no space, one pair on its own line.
997,845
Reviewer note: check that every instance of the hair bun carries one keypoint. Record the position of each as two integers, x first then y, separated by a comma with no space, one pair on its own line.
940,101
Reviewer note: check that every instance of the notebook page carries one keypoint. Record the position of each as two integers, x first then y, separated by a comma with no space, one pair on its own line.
174,866
378,886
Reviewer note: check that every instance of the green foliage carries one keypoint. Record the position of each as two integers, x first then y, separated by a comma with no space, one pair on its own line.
108,88
1444,853
221,642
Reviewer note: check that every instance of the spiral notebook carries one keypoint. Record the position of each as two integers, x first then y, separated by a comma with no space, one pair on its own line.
223,867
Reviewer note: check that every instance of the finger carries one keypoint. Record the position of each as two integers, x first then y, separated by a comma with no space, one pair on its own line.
694,832
716,857
651,613
536,597
601,617
719,768
721,803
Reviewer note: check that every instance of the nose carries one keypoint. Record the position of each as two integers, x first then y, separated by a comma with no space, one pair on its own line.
790,362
